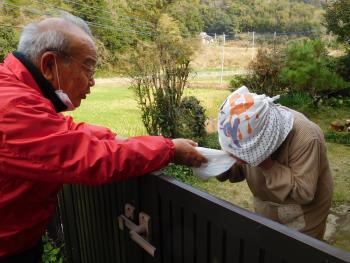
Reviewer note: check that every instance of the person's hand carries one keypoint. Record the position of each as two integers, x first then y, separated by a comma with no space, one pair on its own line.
232,174
224,176
228,174
186,154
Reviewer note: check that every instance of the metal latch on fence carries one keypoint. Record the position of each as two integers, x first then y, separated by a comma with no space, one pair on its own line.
138,233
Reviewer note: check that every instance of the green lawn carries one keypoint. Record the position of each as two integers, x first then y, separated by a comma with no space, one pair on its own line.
116,108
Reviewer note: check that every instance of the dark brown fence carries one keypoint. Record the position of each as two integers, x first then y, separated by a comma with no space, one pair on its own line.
186,225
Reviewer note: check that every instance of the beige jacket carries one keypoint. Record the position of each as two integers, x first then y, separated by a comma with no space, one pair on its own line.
297,190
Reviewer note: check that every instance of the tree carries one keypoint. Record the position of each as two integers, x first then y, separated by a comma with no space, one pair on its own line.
217,21
337,18
307,69
302,67
187,13
264,73
114,30
242,16
160,70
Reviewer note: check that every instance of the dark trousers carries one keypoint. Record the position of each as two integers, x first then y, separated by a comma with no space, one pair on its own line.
32,255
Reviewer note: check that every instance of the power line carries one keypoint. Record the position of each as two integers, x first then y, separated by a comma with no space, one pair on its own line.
96,25
107,12
79,12
114,28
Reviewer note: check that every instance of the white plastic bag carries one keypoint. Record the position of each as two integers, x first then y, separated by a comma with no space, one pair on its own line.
218,163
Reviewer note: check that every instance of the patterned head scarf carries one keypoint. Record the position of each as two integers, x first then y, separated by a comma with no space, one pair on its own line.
251,126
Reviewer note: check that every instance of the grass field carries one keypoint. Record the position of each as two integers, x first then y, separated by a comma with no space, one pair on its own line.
116,108
237,55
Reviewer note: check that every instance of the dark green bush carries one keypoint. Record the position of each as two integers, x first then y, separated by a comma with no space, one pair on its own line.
191,119
306,69
299,101
338,137
212,141
337,19
303,67
238,81
343,67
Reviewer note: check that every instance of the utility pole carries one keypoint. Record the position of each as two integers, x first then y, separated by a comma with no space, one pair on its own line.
222,58
253,45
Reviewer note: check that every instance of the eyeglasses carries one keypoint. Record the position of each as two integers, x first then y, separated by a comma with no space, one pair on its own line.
89,68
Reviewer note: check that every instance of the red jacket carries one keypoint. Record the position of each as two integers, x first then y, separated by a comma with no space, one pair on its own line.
41,149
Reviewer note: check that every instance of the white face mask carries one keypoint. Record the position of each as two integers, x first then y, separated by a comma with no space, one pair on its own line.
63,96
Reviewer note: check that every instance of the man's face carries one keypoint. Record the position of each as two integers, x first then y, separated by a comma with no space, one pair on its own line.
76,70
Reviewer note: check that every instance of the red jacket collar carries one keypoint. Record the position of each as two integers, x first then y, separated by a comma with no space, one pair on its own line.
26,72
20,71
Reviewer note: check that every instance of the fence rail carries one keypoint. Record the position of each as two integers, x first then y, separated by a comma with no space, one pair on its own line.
187,225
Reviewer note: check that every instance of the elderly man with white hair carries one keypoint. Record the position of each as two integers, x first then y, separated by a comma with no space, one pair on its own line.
282,156
41,149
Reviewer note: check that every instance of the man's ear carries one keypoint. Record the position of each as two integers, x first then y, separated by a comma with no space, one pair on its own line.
47,66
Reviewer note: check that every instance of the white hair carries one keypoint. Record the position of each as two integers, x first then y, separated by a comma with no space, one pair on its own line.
33,41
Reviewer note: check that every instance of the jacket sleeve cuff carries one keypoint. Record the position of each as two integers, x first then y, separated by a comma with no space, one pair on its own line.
171,146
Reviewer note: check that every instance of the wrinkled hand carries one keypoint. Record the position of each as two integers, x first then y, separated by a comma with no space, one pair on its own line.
232,175
228,175
186,154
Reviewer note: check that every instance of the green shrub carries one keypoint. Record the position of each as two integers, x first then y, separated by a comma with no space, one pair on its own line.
191,119
160,71
338,137
212,141
343,67
337,19
299,101
302,67
306,69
